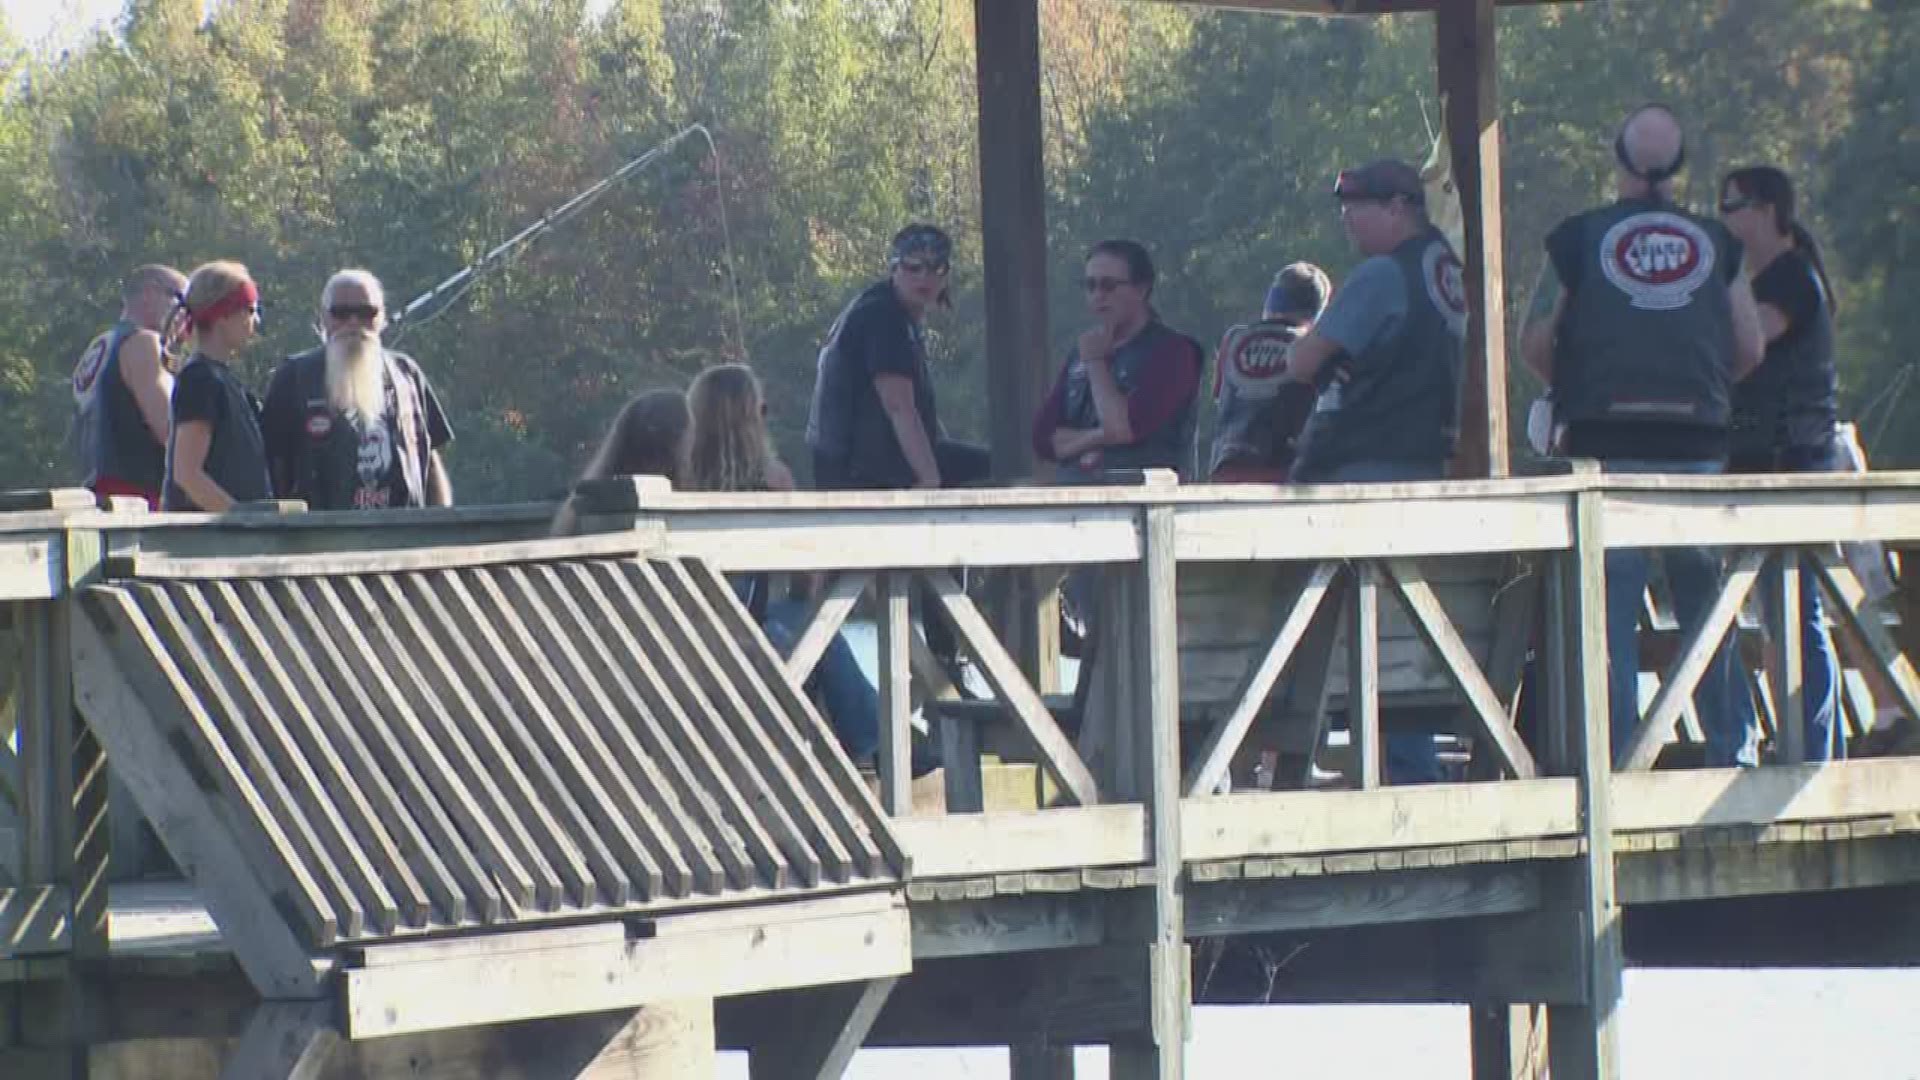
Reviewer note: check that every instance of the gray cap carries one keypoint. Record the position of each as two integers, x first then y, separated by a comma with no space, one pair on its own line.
1381,180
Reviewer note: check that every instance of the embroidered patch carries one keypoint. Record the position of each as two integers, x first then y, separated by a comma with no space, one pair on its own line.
1658,259
1256,359
318,425
1446,283
85,375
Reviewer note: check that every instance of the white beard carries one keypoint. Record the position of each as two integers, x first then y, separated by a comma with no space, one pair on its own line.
357,375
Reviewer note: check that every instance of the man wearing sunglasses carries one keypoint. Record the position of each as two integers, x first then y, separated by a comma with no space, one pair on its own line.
1384,361
350,425
1651,324
873,423
121,389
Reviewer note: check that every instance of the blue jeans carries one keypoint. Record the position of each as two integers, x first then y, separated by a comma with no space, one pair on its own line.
1410,755
852,704
1721,698
1820,684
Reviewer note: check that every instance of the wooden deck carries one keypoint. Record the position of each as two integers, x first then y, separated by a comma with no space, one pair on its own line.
1092,914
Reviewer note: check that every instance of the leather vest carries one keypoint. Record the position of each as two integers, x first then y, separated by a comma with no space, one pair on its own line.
111,438
1647,334
1400,399
1170,447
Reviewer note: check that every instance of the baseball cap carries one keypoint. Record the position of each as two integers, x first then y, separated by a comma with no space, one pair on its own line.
1381,180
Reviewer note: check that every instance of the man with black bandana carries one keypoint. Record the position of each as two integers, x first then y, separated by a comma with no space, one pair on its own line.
1650,325
351,425
873,423
121,388
1381,368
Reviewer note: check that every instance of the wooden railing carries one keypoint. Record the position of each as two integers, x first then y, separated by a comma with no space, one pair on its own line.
1125,796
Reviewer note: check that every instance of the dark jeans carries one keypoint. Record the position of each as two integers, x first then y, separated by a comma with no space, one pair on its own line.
961,465
852,704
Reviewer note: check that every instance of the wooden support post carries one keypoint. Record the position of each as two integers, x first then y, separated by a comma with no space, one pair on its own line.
284,1040
821,1034
1584,1039
1363,676
1040,1061
1013,241
1465,47
896,707
1783,626
1155,674
1509,1042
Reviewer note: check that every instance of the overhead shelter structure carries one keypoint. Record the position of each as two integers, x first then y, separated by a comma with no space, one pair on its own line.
1013,208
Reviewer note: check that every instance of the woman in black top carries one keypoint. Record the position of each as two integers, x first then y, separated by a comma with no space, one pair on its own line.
1784,413
215,455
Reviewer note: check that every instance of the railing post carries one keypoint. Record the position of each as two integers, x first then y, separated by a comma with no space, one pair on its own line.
1584,1040
896,707
1789,686
1155,676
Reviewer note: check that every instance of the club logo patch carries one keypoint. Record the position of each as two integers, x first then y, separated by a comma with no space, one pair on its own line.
1446,282
319,425
88,372
1256,359
1658,259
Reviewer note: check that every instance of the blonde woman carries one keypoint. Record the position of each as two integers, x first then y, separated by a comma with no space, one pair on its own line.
215,455
732,451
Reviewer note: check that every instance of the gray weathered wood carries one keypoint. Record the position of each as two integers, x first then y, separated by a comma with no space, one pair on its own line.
830,610
1427,815
1789,697
283,1041
1216,757
1341,900
823,1036
1695,656
152,566
251,922
1363,676
1488,709
896,691
1014,841
1838,582
1039,1060
1056,751
1585,1039
35,919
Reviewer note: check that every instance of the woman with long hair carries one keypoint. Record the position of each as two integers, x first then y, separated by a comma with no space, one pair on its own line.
1786,413
732,451
650,437
215,454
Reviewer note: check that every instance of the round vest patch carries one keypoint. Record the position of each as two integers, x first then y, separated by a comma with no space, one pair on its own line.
88,371
1658,259
1256,359
1446,282
319,425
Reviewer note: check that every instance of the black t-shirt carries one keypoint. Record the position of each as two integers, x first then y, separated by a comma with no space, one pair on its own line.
1790,284
208,391
876,337
334,461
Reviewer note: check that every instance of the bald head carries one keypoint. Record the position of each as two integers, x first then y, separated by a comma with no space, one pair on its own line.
1651,145
148,295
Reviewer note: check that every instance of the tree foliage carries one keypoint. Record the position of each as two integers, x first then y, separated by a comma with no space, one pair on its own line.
411,136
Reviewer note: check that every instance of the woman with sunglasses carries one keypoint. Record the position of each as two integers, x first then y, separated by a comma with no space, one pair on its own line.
1785,413
1124,398
215,455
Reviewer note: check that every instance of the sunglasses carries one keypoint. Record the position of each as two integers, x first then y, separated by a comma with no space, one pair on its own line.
344,312
1103,285
1733,205
915,266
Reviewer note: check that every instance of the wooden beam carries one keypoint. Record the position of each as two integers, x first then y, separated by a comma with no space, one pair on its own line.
1363,676
1584,1038
1030,922
1013,223
822,1035
1722,871
1012,842
1699,798
35,919
1428,815
1509,1041
1216,757
1037,1059
284,1040
829,612
1465,45
896,691
1371,523
1787,681
1333,901
637,541
789,946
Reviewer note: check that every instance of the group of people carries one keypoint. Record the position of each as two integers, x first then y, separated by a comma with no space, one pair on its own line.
1670,341
350,425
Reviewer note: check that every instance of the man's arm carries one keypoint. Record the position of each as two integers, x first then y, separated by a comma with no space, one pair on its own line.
896,399
190,446
1109,401
145,373
1069,443
1749,339
1308,355
439,483
1541,331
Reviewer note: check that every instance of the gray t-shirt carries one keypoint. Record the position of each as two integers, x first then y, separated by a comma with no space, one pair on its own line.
1367,309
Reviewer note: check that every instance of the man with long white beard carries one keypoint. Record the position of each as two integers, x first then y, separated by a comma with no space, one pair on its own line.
352,425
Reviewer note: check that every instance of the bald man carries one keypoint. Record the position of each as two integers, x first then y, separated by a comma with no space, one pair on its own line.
1651,323
121,387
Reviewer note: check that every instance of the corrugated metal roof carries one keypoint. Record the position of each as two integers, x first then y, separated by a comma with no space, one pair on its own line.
452,748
